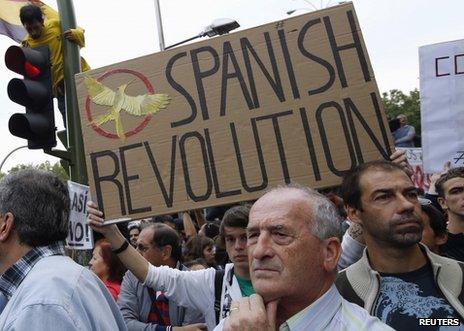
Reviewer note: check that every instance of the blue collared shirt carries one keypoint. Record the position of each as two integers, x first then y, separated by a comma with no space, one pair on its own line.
332,312
14,275
59,294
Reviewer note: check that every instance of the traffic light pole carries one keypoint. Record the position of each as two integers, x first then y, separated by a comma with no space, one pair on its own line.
75,144
78,172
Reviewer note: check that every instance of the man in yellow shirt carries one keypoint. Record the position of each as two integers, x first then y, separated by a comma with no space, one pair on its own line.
48,32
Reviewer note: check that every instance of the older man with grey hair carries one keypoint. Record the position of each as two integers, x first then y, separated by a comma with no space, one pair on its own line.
294,236
42,288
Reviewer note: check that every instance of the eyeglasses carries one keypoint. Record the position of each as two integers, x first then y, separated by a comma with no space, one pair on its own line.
142,248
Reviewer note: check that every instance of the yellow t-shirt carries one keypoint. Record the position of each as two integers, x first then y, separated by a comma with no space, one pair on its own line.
52,37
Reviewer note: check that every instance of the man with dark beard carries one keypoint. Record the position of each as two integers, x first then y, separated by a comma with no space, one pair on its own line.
398,279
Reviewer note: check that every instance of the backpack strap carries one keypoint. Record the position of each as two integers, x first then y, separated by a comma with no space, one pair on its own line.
218,280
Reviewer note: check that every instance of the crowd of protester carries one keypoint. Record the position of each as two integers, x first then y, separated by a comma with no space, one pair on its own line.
372,254
375,253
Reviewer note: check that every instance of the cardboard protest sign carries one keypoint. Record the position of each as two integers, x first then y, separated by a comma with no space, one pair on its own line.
419,177
442,104
225,119
80,236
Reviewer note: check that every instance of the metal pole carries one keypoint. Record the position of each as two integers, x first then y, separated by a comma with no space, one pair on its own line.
6,157
159,25
72,65
184,41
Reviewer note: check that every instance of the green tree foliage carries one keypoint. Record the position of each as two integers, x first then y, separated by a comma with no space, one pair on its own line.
396,102
56,168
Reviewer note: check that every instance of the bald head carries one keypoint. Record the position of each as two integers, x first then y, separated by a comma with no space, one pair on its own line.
280,199
318,212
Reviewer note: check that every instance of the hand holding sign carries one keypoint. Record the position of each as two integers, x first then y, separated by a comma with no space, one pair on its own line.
399,157
128,255
97,223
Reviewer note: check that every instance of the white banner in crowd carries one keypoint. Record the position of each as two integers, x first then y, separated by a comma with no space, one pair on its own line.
419,177
442,104
80,235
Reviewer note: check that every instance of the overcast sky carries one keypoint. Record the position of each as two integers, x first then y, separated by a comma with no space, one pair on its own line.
118,30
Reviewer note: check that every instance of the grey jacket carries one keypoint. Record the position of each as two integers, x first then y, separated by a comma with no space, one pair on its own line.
360,284
135,302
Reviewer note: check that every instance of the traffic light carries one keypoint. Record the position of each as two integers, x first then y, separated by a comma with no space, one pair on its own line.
34,92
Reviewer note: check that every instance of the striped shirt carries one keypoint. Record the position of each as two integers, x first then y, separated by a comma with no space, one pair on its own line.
332,312
15,274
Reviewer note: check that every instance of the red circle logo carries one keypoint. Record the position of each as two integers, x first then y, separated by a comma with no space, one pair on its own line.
132,131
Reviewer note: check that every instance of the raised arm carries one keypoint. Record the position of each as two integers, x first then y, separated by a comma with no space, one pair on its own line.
186,288
399,157
132,259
